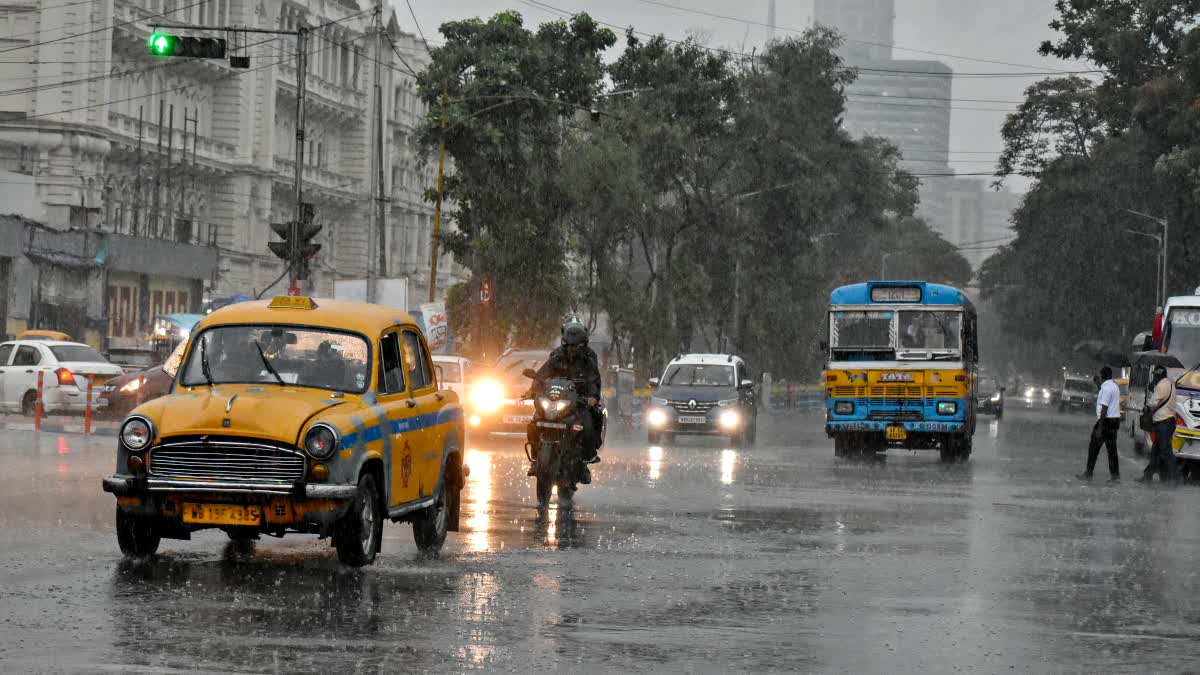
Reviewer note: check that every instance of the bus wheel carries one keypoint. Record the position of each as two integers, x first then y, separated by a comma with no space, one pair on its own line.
841,446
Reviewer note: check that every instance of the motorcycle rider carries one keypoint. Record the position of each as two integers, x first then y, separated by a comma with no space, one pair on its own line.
574,360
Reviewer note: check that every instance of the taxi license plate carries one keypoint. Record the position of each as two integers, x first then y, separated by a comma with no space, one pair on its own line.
222,514
518,419
897,434
693,420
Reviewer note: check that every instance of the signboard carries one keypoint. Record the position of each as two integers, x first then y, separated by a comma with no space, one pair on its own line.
487,294
1185,317
437,329
896,294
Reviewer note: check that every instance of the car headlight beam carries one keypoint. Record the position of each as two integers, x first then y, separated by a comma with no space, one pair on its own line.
487,396
656,418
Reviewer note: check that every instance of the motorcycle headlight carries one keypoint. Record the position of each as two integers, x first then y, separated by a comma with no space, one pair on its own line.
727,402
545,403
321,441
947,407
137,432
843,407
561,406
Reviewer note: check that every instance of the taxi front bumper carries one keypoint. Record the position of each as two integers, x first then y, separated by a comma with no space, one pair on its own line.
131,486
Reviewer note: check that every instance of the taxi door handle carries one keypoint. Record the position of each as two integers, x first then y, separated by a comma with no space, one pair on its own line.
439,396
411,403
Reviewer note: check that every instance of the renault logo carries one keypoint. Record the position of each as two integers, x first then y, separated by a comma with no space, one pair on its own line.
692,404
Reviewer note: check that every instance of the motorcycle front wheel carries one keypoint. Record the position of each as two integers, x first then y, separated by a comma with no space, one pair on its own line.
547,471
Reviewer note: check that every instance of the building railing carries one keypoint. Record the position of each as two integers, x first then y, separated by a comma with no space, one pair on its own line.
178,141
286,169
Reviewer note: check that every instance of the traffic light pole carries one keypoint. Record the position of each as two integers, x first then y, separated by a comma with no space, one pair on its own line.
301,88
298,225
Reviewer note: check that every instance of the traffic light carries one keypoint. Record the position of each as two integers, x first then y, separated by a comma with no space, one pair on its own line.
162,44
296,248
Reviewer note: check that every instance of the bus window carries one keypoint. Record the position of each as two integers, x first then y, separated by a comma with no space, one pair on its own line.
930,330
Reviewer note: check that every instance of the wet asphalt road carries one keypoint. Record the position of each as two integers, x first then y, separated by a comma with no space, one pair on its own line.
698,558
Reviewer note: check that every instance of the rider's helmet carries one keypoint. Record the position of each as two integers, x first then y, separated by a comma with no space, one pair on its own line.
574,334
1158,372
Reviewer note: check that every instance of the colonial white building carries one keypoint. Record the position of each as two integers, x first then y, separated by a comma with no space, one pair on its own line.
99,136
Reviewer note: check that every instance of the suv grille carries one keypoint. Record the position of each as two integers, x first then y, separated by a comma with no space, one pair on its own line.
226,458
685,407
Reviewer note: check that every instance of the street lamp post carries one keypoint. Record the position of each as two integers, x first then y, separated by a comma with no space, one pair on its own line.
883,264
1159,289
1163,256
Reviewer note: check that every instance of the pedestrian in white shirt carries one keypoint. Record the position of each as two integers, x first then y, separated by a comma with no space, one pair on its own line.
1108,423
1162,455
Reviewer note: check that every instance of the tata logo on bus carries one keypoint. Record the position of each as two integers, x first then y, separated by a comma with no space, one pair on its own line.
896,377
1186,318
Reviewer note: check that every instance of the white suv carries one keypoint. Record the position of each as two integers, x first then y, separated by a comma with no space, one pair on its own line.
703,394
66,368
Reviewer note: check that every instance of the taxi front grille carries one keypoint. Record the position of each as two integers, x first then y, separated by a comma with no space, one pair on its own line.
226,460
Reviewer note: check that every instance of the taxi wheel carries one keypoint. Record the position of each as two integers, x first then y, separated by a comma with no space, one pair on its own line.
430,527
136,535
361,529
29,404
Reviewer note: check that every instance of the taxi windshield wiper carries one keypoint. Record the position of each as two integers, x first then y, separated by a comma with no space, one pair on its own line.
204,369
267,363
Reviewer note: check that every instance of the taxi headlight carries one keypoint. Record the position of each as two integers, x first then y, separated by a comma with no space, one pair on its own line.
947,407
730,419
137,432
487,396
321,441
843,407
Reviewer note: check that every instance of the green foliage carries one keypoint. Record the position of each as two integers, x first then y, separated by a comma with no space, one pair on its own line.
1130,141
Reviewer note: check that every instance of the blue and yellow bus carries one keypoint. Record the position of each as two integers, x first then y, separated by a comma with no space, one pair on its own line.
901,368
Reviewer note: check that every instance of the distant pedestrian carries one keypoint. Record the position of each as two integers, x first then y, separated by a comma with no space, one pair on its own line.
1108,423
1162,455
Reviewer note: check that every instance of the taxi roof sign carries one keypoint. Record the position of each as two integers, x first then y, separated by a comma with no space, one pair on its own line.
292,302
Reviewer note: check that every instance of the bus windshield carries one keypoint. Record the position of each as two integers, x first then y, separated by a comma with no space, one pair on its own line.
862,334
1183,335
926,330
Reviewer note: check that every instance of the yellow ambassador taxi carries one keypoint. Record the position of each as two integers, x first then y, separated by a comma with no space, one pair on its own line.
295,415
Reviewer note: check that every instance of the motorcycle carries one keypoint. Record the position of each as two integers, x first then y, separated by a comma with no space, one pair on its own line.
558,410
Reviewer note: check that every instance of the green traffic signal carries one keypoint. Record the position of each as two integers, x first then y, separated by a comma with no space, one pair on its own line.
161,44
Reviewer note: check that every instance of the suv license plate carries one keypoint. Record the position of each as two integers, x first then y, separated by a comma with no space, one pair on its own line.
897,434
222,514
693,420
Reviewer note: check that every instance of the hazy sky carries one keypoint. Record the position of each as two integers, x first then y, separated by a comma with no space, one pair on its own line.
984,36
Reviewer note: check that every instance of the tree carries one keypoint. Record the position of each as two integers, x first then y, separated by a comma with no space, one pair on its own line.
507,91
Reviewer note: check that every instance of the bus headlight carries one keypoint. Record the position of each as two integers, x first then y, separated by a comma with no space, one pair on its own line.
843,407
947,407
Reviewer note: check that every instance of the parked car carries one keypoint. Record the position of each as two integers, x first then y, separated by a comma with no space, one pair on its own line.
66,368
989,397
123,394
703,394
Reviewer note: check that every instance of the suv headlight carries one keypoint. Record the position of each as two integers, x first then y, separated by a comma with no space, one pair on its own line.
843,407
321,441
947,407
137,433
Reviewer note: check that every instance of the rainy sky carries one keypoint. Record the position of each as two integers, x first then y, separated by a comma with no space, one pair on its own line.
1002,35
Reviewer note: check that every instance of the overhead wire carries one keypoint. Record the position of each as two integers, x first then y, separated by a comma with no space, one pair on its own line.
98,30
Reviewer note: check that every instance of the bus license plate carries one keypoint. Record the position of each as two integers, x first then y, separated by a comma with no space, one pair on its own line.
222,514
897,434
692,420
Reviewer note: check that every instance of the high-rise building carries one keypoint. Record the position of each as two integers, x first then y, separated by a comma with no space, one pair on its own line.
904,101
169,171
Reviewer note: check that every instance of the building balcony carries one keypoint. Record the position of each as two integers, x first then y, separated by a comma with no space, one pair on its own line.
285,171
126,128
343,100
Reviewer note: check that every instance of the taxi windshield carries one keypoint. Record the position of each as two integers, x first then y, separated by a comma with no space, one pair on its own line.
290,355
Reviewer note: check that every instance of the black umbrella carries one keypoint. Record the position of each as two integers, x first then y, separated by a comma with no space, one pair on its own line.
1100,352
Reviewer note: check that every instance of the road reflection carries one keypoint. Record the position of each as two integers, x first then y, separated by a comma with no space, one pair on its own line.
654,463
479,493
729,460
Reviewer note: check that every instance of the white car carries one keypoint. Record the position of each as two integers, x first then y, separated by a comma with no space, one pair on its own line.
66,368
454,372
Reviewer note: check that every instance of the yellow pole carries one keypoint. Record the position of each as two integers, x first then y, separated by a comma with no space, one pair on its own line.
437,209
